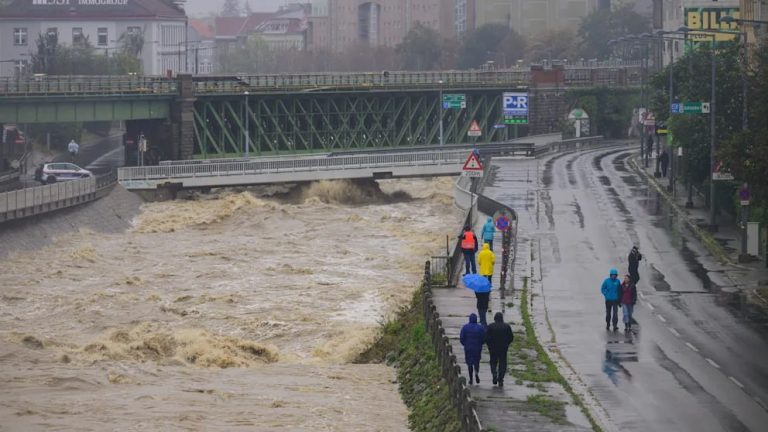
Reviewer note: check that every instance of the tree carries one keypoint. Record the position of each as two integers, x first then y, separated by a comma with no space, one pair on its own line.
603,25
489,42
231,8
247,8
133,43
253,57
420,49
554,44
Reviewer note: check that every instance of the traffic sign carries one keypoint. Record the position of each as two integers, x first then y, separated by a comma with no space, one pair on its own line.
474,129
499,126
502,219
502,223
718,173
473,163
744,195
515,107
454,101
690,108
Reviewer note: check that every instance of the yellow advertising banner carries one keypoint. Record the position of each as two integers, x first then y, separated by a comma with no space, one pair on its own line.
708,18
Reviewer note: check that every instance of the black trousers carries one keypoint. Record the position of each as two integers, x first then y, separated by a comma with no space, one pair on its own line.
634,277
612,306
499,364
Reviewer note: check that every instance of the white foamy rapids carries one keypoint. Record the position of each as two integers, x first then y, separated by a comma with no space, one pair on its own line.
258,289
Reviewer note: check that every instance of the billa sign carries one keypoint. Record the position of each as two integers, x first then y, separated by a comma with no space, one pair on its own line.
708,18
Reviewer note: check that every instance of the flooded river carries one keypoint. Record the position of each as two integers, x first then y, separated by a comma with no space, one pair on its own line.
235,311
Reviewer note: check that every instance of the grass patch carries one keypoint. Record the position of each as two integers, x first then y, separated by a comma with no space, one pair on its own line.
405,343
548,407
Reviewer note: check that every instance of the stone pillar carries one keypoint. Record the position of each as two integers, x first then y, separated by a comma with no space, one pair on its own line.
183,118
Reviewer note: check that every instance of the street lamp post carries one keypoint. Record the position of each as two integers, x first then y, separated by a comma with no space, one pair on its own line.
712,138
247,127
440,102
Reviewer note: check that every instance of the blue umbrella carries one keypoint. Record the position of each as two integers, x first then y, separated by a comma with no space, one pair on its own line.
476,283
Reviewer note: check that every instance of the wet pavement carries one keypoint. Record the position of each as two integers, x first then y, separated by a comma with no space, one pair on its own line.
691,362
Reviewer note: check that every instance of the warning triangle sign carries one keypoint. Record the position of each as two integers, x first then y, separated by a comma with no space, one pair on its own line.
472,163
474,127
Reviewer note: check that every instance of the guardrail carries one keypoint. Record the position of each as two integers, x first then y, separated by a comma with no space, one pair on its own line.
43,199
256,167
570,145
87,85
449,365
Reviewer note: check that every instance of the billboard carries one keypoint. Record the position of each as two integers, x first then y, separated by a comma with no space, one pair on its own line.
708,18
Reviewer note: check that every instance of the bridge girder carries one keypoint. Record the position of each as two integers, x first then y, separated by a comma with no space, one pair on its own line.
65,110
325,122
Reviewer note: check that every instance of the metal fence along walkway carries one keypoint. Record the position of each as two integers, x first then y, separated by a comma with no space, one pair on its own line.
300,169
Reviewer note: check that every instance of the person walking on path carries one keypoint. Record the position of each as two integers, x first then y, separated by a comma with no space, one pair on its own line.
634,262
498,336
73,148
489,229
468,248
664,162
483,298
611,290
471,337
486,259
628,298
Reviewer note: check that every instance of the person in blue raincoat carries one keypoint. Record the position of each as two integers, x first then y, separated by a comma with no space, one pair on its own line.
472,337
489,229
611,289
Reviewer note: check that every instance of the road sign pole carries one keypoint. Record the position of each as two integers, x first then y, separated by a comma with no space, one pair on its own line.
441,114
712,140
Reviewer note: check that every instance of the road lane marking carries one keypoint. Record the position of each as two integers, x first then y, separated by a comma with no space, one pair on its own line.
712,362
735,381
760,402
650,306
642,296
692,347
674,332
661,318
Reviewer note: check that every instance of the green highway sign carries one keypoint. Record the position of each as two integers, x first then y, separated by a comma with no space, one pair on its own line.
454,101
690,108
515,120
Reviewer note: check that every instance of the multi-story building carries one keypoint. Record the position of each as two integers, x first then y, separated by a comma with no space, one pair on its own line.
670,15
533,16
340,24
464,16
201,48
162,24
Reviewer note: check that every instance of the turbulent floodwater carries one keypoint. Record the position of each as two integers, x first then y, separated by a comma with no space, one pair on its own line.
233,311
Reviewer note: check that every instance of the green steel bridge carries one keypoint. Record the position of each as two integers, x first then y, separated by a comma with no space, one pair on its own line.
218,116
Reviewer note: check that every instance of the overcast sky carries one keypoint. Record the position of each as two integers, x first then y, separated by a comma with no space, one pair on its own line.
205,7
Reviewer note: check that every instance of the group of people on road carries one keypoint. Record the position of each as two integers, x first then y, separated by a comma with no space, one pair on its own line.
498,335
621,293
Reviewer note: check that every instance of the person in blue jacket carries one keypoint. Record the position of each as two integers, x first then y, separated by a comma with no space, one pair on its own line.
489,229
611,290
472,337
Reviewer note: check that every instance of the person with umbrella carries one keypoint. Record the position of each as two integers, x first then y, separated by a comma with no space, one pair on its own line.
468,248
498,336
482,288
471,337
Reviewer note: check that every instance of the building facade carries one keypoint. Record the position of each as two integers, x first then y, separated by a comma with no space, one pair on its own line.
338,25
529,17
694,14
162,24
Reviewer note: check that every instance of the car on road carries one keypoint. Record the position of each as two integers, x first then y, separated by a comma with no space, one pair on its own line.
60,171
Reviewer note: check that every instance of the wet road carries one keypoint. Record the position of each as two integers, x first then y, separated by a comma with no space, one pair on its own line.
690,363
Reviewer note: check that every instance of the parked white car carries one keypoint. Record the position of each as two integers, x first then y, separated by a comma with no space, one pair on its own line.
60,171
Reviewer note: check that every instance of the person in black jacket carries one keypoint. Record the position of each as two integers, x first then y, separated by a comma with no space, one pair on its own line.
498,336
634,262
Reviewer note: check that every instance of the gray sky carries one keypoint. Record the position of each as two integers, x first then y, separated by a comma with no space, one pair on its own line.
204,7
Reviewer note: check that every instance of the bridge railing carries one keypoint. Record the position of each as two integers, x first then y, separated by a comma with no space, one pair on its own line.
358,80
85,85
256,167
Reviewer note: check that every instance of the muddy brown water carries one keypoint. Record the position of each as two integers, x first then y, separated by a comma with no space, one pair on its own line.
233,311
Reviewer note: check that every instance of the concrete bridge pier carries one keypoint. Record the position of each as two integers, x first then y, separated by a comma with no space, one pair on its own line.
183,119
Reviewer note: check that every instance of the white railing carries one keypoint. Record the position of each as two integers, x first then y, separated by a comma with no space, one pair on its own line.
25,202
260,167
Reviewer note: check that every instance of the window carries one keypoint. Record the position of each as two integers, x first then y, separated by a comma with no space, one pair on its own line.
52,31
77,36
20,36
134,30
20,67
101,34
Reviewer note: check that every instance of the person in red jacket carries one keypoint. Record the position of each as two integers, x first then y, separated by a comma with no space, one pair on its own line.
628,298
468,245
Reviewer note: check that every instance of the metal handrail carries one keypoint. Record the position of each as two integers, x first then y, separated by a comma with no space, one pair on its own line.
256,167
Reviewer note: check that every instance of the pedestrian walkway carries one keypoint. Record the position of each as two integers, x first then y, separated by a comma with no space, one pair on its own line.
521,405
725,244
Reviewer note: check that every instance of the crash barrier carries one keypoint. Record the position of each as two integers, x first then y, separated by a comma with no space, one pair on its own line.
43,199
570,145
449,366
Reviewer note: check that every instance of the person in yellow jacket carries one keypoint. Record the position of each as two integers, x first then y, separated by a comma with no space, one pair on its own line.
486,259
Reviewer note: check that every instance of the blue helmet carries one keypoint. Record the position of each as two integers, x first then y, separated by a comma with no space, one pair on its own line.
614,272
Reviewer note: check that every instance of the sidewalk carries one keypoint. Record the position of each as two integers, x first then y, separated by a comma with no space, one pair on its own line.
724,245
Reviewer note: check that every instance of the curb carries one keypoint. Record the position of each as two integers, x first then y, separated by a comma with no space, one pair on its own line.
704,237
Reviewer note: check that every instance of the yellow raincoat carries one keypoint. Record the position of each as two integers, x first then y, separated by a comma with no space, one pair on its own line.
486,259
